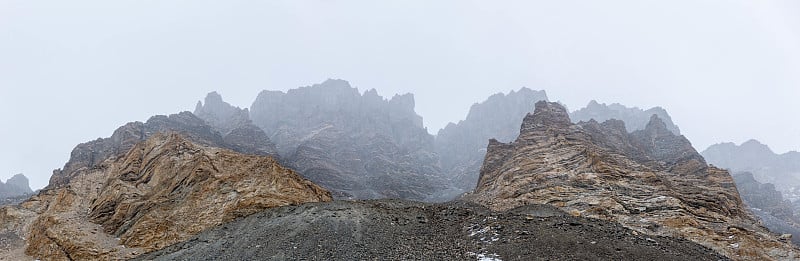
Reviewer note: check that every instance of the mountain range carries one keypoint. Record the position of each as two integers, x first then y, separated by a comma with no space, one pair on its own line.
190,185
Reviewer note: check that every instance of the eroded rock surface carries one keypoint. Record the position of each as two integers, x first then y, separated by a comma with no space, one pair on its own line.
234,124
163,190
650,180
768,204
462,146
358,146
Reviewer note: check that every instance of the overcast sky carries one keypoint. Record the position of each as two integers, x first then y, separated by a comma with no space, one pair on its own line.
73,71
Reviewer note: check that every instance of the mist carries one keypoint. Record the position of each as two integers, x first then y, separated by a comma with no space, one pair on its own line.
74,71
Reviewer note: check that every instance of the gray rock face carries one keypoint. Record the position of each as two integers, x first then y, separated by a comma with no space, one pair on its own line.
221,115
783,170
634,118
461,146
357,146
768,204
235,126
15,186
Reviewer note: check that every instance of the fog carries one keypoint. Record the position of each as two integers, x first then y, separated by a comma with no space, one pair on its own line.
73,71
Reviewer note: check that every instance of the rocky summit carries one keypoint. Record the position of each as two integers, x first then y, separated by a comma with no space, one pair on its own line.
15,186
360,146
634,118
461,146
782,170
651,181
160,191
235,126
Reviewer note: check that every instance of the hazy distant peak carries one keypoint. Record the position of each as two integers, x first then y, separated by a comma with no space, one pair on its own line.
634,117
753,144
656,123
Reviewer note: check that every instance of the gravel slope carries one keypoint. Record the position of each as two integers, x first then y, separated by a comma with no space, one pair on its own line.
403,230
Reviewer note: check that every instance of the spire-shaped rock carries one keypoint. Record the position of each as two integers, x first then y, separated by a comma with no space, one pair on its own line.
546,115
20,182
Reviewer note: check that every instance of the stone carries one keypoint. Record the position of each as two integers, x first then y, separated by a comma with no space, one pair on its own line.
651,181
359,146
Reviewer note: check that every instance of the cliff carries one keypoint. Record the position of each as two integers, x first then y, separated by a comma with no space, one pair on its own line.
360,146
651,181
461,146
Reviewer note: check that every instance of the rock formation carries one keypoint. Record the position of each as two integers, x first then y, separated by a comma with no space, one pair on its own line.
15,186
235,126
651,181
90,154
462,146
768,204
148,186
358,146
783,170
634,118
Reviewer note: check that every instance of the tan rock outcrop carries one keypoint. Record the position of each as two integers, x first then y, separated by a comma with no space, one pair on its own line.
650,180
162,191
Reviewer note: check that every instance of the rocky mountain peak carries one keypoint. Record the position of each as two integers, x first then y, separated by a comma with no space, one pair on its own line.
651,180
635,118
656,125
20,181
17,185
222,116
163,190
358,145
462,146
546,115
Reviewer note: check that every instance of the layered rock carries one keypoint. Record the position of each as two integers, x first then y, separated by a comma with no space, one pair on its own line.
15,186
462,146
235,126
358,146
650,180
163,190
634,118
91,154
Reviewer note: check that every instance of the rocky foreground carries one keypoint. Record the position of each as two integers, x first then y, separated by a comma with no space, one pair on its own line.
163,190
404,230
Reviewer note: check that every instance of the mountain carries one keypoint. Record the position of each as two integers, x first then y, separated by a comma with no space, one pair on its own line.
403,230
235,126
783,170
360,146
768,204
461,146
15,186
651,181
147,186
634,118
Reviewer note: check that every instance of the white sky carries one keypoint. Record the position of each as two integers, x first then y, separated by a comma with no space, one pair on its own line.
73,71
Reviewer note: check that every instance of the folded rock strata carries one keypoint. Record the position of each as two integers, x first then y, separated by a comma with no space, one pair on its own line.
163,190
650,180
